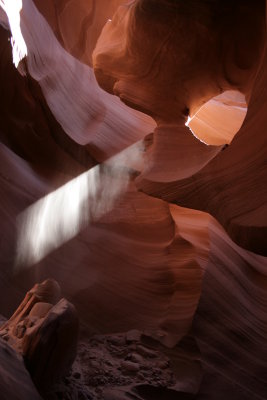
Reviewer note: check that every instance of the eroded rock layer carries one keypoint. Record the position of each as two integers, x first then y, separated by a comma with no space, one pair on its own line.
143,225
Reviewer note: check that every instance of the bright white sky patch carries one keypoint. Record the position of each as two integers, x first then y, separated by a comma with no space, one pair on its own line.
12,9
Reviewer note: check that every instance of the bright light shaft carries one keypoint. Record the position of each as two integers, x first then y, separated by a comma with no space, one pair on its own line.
60,215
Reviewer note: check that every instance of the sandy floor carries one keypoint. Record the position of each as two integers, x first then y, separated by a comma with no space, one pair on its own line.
106,363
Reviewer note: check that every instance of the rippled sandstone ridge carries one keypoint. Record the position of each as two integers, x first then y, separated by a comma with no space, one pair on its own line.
133,173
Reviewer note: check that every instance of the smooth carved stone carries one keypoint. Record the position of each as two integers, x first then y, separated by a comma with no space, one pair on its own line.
87,20
149,257
171,57
175,154
231,186
44,333
167,59
89,114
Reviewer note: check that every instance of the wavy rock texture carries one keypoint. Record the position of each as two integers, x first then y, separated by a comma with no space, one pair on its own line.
129,259
140,75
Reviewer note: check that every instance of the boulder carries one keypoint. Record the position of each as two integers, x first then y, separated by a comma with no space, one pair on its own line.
44,330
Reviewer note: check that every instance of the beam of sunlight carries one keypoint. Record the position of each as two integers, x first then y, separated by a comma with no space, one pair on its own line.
62,214
12,9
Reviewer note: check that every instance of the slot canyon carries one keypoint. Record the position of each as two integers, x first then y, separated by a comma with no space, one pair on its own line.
133,200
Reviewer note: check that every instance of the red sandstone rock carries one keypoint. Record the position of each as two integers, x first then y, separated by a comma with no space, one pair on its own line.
44,331
132,260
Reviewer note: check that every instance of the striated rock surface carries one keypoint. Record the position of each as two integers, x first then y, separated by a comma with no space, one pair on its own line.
146,226
193,71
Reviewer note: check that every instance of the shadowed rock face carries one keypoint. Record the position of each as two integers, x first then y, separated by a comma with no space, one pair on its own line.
168,236
15,381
